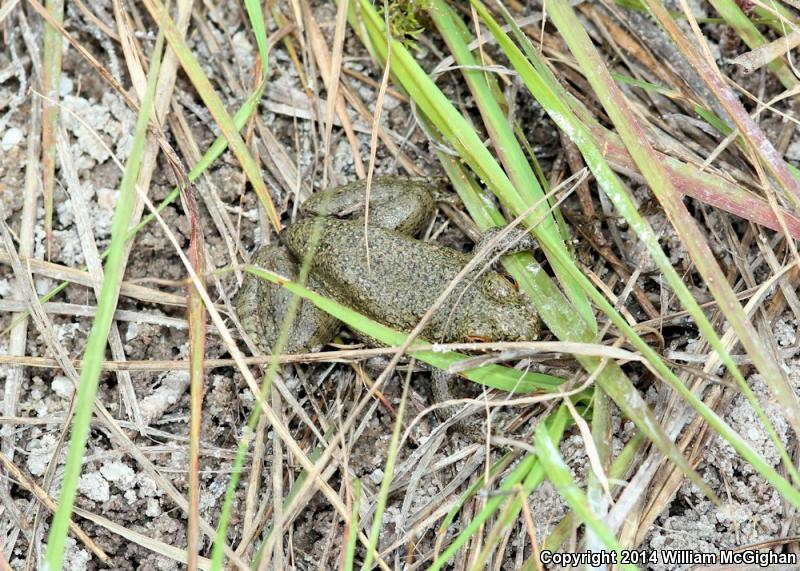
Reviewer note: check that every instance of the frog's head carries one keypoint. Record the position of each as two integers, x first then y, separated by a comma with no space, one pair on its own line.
500,313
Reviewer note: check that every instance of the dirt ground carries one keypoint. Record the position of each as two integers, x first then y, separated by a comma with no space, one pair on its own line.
434,465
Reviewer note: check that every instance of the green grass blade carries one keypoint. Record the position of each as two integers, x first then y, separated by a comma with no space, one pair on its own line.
558,473
352,527
520,173
529,473
106,305
552,96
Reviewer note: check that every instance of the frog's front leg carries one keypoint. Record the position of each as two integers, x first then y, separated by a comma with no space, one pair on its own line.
395,203
262,307
500,241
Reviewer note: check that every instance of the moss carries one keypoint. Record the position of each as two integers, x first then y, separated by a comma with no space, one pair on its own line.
406,20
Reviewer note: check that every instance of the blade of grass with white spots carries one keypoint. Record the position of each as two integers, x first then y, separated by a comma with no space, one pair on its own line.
106,305
636,142
552,96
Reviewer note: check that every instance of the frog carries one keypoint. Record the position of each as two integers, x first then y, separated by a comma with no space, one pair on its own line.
391,277
401,280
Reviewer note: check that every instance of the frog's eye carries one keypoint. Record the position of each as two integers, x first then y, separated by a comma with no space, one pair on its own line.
510,279
499,287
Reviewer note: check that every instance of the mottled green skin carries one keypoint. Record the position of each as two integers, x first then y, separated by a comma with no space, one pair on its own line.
404,279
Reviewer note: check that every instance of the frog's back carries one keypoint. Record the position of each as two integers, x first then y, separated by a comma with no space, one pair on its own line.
404,278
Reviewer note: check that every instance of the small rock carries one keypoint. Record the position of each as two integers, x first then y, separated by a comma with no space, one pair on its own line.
63,387
11,138
147,487
94,487
153,508
39,453
130,496
75,557
120,474
66,85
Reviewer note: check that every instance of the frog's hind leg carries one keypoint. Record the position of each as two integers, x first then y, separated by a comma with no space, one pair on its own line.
396,203
262,307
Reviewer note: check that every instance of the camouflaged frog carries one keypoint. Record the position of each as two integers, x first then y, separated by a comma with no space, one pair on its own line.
404,278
